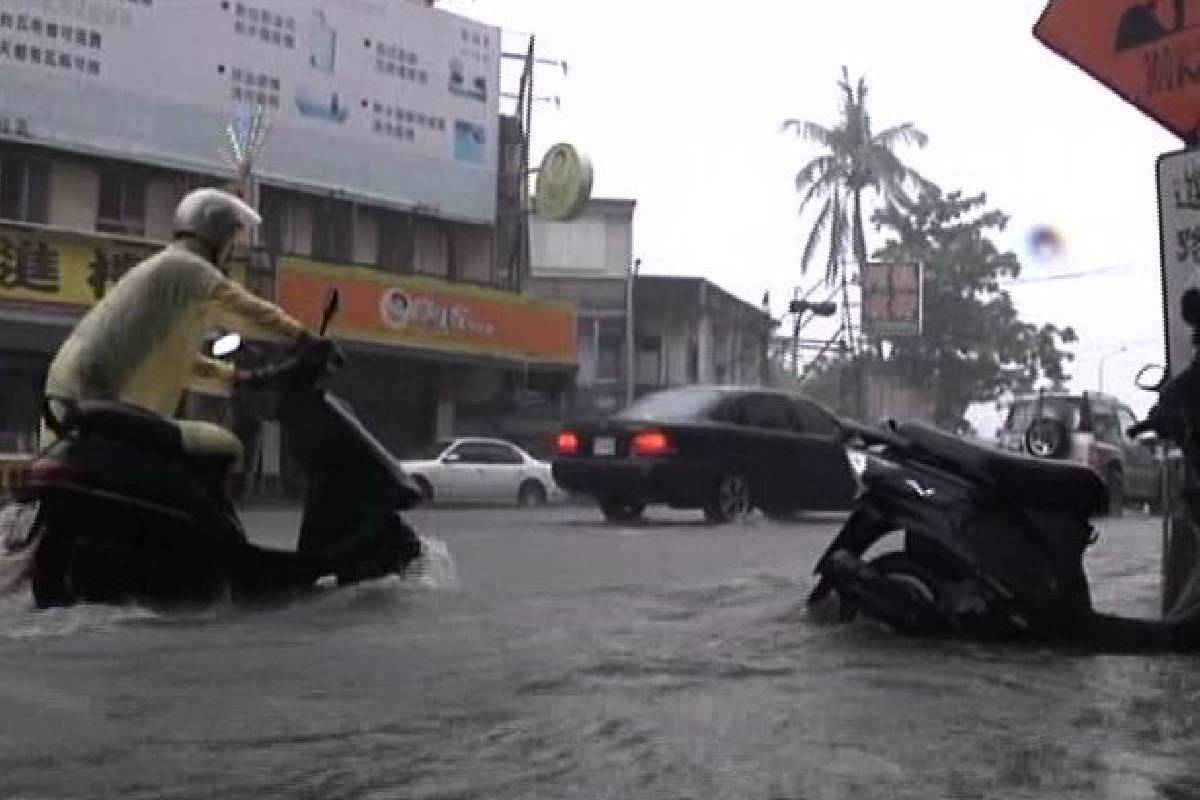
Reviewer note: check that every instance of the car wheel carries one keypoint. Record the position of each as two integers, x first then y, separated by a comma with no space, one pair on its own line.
731,500
616,509
1115,481
424,487
531,495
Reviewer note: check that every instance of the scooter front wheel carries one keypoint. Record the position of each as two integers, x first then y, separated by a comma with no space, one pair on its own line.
917,581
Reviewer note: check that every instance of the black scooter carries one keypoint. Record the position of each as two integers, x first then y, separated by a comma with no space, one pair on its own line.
991,544
115,510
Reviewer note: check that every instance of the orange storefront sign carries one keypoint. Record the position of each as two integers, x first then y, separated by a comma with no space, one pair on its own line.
430,314
1147,52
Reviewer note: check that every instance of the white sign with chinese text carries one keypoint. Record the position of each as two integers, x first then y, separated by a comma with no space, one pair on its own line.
390,102
1178,176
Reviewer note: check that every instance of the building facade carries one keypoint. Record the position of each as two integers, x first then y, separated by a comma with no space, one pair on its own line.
690,331
683,330
588,263
379,196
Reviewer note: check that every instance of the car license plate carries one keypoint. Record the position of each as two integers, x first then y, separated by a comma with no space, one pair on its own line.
16,525
604,446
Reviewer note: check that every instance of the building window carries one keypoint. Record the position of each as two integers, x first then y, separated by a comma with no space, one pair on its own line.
586,345
649,361
122,202
24,189
332,231
273,206
397,241
610,341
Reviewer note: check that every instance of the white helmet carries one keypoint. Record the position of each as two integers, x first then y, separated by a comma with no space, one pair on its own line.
213,217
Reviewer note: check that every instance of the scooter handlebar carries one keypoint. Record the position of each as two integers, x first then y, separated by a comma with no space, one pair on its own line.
1145,426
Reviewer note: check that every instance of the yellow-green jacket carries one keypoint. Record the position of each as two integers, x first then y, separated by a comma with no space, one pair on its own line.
141,343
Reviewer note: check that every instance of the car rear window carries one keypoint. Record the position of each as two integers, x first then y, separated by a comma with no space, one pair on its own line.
1023,412
684,405
427,452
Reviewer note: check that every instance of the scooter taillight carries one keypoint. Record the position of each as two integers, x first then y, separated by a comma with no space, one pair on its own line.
51,470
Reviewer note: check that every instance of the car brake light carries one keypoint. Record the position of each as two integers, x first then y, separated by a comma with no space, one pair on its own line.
652,443
49,470
568,443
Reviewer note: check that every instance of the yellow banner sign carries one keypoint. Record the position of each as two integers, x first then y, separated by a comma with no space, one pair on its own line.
46,267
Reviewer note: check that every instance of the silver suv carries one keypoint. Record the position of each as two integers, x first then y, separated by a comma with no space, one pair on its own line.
1088,428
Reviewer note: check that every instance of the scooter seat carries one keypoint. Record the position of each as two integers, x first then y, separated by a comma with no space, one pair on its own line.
125,422
207,448
1038,481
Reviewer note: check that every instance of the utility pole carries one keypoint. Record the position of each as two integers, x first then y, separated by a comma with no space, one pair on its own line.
630,346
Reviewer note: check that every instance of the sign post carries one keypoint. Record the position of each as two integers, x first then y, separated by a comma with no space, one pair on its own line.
892,297
1149,54
1178,178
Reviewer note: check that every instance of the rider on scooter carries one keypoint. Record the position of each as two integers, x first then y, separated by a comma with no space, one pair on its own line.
140,344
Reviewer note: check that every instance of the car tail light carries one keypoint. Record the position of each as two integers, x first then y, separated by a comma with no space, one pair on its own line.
50,470
568,443
652,443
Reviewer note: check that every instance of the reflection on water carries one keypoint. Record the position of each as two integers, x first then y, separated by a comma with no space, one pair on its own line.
626,685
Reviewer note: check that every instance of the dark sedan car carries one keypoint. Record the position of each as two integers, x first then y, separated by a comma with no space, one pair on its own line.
725,450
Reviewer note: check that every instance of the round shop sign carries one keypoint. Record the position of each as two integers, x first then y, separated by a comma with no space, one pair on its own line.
564,184
394,306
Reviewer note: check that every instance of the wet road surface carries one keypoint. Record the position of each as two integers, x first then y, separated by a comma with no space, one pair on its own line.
569,659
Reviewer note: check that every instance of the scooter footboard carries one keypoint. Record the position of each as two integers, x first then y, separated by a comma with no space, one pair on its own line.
90,552
861,530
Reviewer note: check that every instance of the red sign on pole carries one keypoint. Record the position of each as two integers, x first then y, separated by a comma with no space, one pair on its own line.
891,299
1147,51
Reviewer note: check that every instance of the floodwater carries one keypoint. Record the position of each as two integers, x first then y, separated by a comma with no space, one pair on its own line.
554,657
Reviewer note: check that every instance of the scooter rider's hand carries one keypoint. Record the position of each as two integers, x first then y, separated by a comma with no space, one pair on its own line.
265,377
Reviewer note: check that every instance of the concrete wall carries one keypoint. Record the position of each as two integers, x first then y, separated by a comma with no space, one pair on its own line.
297,229
586,294
162,195
366,236
473,253
599,244
431,250
74,195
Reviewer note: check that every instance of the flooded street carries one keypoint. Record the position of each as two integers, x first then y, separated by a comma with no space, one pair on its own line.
574,660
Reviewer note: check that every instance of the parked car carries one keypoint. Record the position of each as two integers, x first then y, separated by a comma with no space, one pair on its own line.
473,470
721,449
1089,428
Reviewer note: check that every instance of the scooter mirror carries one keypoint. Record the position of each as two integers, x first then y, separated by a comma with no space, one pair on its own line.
226,345
1150,377
333,299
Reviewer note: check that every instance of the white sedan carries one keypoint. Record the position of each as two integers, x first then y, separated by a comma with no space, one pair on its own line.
471,470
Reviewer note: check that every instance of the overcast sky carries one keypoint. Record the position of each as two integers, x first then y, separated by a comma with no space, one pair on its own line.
680,104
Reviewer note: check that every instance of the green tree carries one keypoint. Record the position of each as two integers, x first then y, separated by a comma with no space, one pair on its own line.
974,345
856,161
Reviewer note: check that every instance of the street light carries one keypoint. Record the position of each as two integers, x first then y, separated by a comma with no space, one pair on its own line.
821,308
824,308
1100,366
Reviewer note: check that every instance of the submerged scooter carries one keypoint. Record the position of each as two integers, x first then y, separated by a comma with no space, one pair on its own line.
116,511
990,545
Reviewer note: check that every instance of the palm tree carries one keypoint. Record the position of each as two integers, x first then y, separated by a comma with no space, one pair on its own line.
857,159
